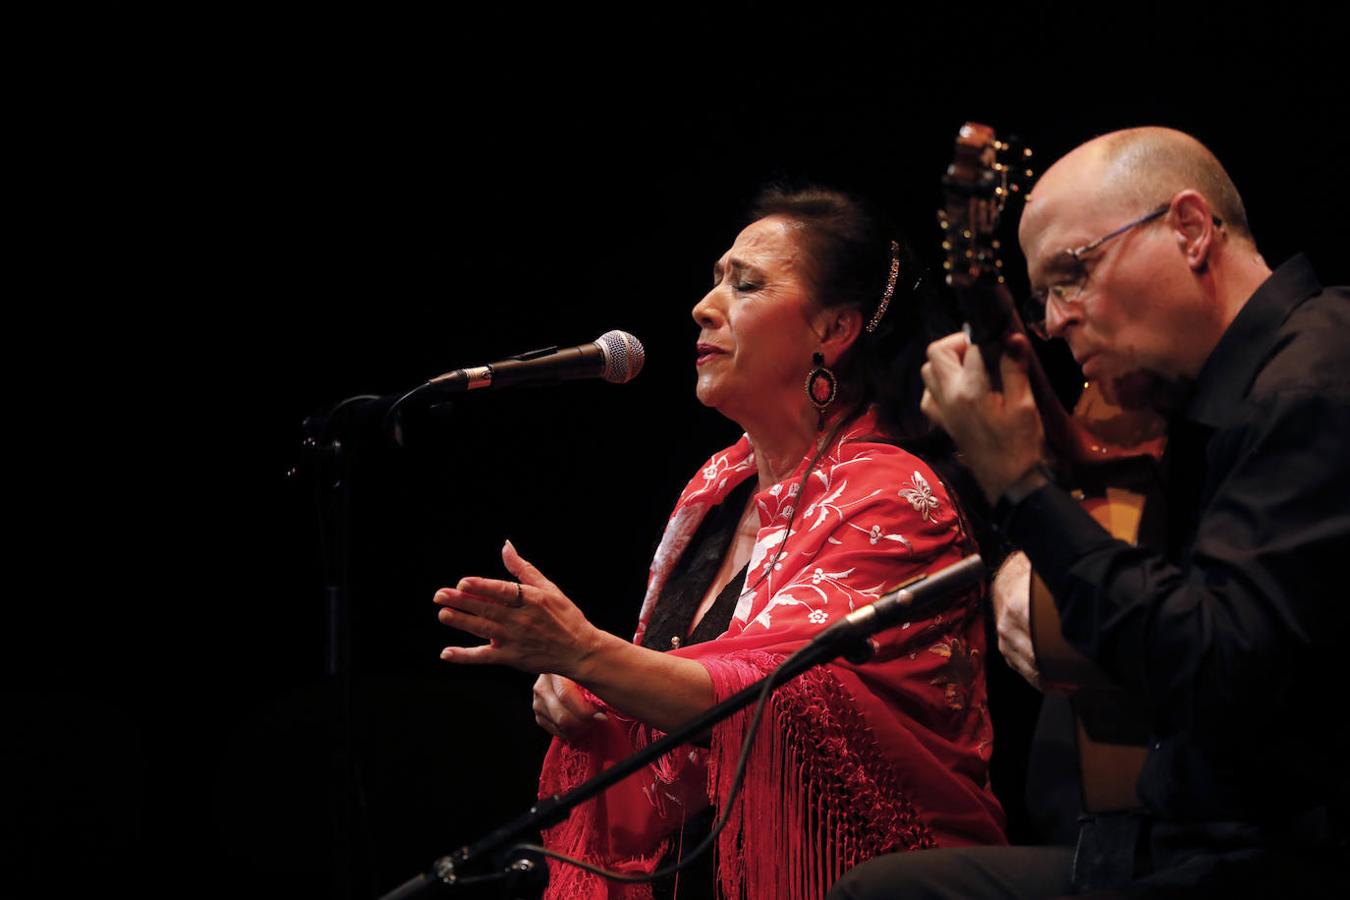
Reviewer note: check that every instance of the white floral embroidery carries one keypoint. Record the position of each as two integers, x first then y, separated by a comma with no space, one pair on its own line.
826,505
768,540
810,587
920,496
876,534
782,598
765,548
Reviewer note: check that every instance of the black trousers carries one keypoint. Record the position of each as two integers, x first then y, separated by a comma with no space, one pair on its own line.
1029,873
961,873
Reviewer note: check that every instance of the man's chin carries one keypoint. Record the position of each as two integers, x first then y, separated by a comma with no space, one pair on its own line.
1133,390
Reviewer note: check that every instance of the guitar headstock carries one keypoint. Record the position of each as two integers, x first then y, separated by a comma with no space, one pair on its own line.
984,175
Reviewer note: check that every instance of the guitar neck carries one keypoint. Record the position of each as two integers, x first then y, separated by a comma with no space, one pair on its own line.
991,319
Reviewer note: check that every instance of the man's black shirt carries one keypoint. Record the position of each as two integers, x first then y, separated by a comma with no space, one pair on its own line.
1234,629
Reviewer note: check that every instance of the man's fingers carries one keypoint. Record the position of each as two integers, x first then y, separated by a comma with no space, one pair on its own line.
928,406
945,358
1013,367
953,345
1021,657
1012,586
1032,676
972,365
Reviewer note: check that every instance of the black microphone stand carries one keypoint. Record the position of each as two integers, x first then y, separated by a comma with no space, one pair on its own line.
521,870
334,440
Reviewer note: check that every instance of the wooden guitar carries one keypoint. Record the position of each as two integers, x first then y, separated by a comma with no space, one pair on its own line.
1104,453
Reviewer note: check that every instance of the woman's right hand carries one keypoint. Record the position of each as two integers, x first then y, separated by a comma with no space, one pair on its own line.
561,710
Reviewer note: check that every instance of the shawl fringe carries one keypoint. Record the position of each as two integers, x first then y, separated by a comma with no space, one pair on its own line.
567,767
824,798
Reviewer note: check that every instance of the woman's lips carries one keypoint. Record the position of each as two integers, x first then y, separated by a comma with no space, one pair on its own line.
706,352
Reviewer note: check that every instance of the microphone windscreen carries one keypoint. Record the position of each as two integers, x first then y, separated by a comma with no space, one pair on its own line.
623,356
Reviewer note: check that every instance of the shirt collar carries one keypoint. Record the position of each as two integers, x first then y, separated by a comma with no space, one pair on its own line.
1231,367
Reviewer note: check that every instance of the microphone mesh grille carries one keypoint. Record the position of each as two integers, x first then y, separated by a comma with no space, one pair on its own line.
623,356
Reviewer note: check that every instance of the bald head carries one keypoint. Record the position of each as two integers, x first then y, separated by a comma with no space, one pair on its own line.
1138,168
1160,295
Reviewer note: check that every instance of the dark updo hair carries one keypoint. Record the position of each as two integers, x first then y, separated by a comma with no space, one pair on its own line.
848,247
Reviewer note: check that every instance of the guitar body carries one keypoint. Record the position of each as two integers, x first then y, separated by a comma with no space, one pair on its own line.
1110,732
1111,728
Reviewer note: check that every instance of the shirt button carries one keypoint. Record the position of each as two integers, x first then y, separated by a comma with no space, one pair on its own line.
675,642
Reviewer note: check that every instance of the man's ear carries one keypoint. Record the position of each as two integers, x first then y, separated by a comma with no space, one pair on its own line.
1193,227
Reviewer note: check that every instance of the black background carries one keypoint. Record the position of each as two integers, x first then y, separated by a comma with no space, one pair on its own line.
251,219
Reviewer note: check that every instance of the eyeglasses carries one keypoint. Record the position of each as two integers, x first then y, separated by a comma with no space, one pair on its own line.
1071,284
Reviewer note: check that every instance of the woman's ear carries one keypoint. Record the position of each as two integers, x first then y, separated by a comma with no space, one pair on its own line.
840,327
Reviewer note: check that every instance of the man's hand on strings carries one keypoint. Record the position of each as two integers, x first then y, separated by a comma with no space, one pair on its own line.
999,432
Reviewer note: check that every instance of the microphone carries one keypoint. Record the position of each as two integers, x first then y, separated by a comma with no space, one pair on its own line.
615,356
917,598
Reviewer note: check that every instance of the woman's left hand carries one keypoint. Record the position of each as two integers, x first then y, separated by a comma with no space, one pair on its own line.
529,624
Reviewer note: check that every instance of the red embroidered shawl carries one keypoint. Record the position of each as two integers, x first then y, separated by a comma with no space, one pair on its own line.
850,761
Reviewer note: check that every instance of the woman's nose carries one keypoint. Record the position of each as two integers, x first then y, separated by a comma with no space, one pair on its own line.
708,312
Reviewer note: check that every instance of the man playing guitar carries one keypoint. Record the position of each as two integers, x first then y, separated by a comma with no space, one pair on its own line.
1228,629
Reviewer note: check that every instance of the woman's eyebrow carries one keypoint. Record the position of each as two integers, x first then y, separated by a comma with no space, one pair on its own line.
743,267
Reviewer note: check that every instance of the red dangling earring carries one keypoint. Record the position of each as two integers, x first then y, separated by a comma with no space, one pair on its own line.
821,400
